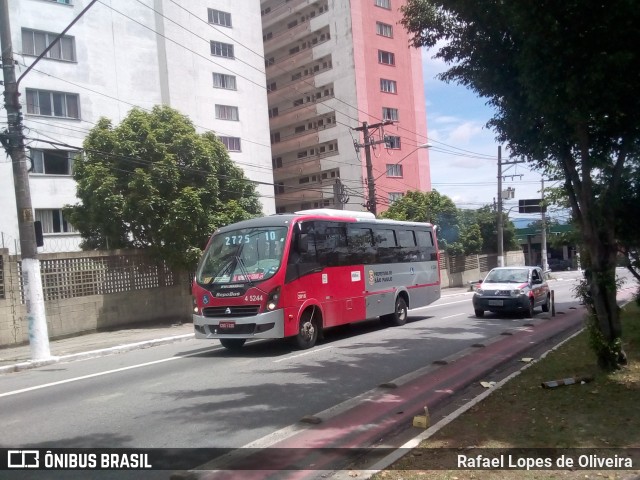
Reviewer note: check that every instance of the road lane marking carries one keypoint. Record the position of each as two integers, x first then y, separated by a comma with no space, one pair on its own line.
315,350
100,374
451,316
443,304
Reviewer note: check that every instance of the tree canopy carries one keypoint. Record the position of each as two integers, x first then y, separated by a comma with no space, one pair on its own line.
152,182
460,231
563,79
431,207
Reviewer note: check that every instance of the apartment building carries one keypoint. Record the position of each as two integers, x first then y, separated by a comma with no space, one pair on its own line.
332,65
203,57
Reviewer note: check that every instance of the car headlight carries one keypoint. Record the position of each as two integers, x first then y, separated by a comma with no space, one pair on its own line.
480,292
516,292
272,300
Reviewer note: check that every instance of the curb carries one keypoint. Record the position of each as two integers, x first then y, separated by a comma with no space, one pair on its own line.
415,441
18,367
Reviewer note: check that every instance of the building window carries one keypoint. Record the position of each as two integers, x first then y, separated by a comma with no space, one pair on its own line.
384,4
394,170
35,42
275,137
393,196
232,143
52,162
53,221
219,18
227,112
276,162
392,142
279,187
273,112
388,86
384,29
386,58
220,49
389,113
53,104
220,80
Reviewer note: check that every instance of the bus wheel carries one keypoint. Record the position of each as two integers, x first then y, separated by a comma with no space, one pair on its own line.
399,316
232,343
307,330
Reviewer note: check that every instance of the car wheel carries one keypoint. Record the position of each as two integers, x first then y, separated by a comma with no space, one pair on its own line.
232,343
530,311
307,330
479,313
545,305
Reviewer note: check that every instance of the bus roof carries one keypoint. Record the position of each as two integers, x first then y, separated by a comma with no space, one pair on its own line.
286,219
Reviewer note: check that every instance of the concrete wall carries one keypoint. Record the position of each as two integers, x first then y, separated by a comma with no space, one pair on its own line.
480,266
70,316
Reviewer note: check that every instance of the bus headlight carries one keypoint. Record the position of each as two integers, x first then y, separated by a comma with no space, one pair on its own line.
195,305
272,300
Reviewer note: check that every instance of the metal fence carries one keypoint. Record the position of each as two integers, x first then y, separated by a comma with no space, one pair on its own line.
79,274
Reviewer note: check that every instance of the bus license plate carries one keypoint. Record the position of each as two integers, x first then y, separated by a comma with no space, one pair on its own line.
227,325
495,303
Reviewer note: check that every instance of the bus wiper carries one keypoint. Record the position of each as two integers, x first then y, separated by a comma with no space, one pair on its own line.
243,269
245,273
221,272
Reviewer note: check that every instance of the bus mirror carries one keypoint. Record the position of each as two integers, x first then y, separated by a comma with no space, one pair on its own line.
303,243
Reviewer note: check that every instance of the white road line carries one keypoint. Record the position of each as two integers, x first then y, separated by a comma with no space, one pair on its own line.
451,316
315,350
443,304
100,374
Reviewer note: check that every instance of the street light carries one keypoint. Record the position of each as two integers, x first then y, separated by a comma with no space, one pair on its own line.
421,146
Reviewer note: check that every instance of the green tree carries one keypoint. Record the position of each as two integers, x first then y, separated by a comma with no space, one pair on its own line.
471,239
152,182
431,207
562,77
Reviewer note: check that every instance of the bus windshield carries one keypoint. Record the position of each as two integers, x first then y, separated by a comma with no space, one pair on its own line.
244,255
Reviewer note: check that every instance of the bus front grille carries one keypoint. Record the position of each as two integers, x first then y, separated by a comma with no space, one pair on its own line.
231,311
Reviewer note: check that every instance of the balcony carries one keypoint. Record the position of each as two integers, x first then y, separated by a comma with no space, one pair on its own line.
281,13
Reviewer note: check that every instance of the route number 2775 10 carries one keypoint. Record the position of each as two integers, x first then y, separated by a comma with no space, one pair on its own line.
253,298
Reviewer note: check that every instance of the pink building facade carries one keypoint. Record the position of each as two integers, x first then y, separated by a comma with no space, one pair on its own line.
330,67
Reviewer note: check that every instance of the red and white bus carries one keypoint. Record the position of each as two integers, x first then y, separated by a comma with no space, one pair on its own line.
294,275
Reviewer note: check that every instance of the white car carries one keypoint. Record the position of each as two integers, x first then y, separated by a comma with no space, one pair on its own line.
512,289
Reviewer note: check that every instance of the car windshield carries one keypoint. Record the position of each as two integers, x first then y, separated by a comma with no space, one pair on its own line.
508,275
245,255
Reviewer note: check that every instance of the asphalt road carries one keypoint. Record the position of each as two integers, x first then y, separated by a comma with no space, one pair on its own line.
198,394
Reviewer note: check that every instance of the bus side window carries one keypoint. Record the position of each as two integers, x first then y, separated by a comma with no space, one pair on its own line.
385,242
425,245
302,253
331,242
408,247
360,245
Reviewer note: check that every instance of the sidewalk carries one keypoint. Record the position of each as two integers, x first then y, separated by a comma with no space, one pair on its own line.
96,344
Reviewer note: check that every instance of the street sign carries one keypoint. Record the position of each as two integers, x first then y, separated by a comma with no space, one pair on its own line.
531,205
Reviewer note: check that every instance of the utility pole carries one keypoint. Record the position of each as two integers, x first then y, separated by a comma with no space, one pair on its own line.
500,219
500,225
545,260
13,142
371,187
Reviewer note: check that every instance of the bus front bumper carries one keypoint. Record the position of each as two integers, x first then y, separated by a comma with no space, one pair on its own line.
262,325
